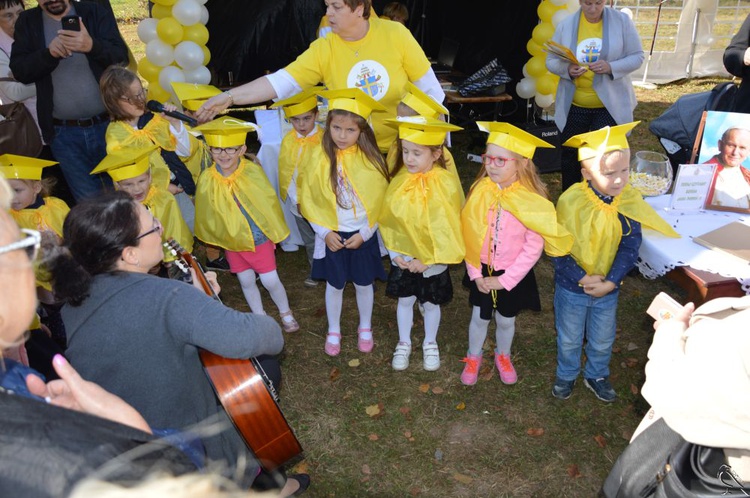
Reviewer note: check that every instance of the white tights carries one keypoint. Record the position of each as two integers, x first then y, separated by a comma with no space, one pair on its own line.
506,328
405,318
273,285
334,302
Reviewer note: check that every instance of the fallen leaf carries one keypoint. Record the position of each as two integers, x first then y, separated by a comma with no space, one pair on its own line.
535,431
366,469
616,349
405,411
632,346
631,362
437,390
407,434
319,312
373,437
424,388
365,479
486,372
354,363
600,441
334,374
348,394
462,478
411,439
301,468
633,389
573,471
461,406
373,410
415,491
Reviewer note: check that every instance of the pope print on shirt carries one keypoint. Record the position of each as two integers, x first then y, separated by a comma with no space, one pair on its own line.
371,77
588,50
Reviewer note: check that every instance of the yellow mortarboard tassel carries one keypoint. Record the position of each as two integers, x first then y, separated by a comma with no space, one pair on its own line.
422,130
352,100
512,138
598,142
15,167
422,103
226,131
126,163
301,103
193,95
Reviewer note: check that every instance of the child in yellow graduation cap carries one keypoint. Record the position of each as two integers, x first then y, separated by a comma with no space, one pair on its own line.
297,148
341,196
236,208
605,216
417,103
421,228
131,171
507,222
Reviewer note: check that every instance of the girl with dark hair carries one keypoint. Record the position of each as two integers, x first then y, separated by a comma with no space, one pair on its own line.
341,195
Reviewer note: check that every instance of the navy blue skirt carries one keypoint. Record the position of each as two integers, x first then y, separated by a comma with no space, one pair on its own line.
361,266
524,296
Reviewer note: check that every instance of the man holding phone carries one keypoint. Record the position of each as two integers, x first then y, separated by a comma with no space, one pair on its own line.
63,48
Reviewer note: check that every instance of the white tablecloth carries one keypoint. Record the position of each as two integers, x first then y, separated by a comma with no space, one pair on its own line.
660,254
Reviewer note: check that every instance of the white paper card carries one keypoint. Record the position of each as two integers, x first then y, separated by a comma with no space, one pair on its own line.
691,186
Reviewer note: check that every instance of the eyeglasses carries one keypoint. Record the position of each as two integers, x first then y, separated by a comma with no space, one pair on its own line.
496,160
139,97
156,228
30,243
219,150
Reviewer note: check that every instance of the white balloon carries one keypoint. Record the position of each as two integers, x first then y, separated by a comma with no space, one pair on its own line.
204,15
187,12
525,71
543,100
200,75
526,88
573,5
558,2
559,16
159,52
189,55
202,2
169,75
627,12
147,30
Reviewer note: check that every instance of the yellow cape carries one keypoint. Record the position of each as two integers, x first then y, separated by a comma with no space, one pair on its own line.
596,227
219,220
121,135
534,211
50,216
199,158
165,208
295,151
421,217
317,199
450,163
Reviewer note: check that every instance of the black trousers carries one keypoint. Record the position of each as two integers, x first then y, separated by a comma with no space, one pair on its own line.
580,120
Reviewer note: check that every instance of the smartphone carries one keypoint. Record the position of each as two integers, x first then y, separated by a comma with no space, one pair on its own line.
71,23
663,307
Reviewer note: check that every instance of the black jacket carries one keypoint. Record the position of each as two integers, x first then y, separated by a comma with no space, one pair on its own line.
734,63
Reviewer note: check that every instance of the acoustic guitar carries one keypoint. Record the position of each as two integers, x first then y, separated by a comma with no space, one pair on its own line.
245,391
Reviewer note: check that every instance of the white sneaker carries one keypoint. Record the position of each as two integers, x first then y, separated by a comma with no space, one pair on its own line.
401,356
431,356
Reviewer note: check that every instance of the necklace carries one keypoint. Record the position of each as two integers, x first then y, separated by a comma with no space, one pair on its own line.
362,41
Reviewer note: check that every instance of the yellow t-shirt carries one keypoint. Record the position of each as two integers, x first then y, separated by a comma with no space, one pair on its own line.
587,51
380,64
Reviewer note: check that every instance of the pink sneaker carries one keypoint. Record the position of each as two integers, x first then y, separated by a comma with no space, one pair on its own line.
333,349
471,370
505,369
364,345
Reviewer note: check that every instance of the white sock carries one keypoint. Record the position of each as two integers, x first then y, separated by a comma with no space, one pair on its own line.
431,322
365,302
477,332
251,291
506,329
276,289
405,318
334,301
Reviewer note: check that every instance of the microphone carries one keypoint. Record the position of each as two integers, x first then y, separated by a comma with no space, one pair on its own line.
155,106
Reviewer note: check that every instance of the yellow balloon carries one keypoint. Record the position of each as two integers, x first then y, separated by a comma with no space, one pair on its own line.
165,2
546,10
196,33
148,69
546,84
161,11
156,92
206,55
536,67
169,30
535,49
542,32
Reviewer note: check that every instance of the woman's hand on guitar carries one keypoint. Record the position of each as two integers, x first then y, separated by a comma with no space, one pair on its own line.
210,278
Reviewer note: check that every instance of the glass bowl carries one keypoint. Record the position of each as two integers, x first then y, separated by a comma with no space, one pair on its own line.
650,173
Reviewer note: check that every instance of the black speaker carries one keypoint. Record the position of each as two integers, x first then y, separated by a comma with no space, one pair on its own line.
546,160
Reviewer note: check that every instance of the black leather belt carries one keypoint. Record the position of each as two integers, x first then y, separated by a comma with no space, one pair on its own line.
81,122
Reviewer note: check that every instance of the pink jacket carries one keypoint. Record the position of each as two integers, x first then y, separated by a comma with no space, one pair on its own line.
518,251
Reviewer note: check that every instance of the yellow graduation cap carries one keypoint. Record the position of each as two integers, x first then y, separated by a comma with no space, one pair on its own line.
193,95
352,100
596,143
422,103
15,167
422,130
303,102
226,131
512,138
126,163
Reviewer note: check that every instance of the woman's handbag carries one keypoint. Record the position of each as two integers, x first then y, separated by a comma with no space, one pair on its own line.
18,131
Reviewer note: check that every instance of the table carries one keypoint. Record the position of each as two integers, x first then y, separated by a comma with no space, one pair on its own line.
704,273
467,112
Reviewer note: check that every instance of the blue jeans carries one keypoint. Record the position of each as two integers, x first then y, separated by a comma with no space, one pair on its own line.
579,316
79,150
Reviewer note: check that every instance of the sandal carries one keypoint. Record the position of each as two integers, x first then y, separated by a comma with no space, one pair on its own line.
330,348
289,325
364,345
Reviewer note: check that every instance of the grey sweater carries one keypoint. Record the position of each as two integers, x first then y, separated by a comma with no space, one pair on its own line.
137,336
